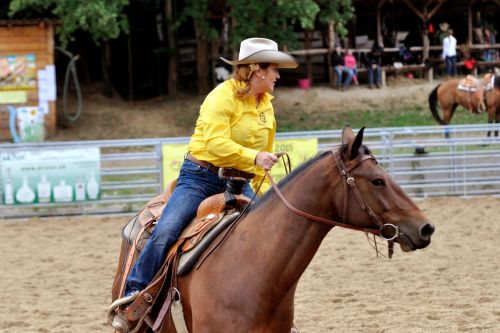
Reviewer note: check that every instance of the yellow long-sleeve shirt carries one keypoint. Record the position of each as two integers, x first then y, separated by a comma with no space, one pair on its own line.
230,132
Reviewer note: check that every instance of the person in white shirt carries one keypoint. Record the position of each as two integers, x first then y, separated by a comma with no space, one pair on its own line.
450,53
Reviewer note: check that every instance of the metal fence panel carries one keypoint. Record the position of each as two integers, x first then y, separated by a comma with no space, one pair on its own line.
421,159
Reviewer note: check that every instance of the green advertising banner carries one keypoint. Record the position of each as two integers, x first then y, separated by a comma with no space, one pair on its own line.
299,150
44,176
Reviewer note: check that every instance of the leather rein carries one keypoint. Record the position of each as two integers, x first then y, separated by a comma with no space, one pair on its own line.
349,183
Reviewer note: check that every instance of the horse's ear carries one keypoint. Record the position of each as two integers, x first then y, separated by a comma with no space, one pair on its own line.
357,143
347,135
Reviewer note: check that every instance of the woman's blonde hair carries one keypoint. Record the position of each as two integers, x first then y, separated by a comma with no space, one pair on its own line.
243,73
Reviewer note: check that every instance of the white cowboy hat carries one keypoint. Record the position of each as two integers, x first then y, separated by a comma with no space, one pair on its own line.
262,50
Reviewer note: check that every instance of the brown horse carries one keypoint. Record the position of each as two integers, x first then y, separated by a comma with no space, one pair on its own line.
448,96
247,284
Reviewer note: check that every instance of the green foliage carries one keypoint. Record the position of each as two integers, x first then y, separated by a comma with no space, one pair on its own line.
296,119
198,11
303,11
277,19
339,12
103,19
271,19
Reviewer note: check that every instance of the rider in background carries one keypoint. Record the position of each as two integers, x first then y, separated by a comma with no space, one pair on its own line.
235,129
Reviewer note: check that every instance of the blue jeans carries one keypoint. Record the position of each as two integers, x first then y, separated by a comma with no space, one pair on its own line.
451,68
377,72
195,183
349,73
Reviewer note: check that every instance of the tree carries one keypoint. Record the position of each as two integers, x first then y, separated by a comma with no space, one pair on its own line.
102,19
271,19
338,12
198,11
276,19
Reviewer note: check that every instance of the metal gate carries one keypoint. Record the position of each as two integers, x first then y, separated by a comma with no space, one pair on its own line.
421,159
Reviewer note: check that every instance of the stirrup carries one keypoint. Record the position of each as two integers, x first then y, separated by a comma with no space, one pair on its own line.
120,322
114,307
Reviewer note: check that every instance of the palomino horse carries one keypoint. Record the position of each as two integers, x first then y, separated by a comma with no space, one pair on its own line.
482,95
247,284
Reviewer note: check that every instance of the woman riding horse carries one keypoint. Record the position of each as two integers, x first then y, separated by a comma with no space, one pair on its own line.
235,129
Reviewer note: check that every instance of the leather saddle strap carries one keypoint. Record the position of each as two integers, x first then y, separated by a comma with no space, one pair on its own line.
130,257
147,297
178,317
171,294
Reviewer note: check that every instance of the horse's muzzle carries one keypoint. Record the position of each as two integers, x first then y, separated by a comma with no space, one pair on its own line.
419,241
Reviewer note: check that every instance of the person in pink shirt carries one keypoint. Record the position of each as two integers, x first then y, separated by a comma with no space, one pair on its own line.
350,63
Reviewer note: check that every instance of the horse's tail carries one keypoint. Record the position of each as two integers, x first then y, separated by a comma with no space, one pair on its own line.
433,97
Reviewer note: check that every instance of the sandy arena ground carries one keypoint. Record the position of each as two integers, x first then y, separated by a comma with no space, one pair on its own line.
57,274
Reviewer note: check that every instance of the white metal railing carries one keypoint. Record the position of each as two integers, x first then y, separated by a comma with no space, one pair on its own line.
421,159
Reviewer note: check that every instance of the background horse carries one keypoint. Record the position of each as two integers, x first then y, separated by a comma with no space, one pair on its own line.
448,97
247,284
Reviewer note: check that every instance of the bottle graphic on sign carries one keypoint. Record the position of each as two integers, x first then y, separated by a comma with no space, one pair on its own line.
92,187
79,190
25,194
43,189
63,192
8,190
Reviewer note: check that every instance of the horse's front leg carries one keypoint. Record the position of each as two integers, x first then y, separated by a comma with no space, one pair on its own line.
447,115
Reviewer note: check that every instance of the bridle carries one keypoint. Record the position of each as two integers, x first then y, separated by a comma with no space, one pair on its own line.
386,231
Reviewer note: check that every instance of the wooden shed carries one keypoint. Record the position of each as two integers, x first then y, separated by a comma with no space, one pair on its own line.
27,73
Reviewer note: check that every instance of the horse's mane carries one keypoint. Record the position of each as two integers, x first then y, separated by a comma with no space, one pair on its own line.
290,177
497,81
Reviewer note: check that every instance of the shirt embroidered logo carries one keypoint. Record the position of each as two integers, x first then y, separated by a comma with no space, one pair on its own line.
262,117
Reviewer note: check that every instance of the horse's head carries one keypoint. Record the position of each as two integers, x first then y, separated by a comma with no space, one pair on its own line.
374,200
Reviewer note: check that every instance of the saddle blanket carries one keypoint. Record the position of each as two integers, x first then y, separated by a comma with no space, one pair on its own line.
471,84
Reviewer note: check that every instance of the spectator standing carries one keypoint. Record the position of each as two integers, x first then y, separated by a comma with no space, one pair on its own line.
374,65
338,66
351,64
450,53
490,41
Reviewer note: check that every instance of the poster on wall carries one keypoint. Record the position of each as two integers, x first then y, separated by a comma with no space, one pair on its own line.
30,123
299,150
17,72
45,176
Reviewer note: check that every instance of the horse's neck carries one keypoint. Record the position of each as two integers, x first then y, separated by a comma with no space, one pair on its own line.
285,242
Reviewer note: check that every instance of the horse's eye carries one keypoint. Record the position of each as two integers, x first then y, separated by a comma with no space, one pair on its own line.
378,182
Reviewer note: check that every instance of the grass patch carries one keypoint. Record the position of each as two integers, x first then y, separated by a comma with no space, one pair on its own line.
417,115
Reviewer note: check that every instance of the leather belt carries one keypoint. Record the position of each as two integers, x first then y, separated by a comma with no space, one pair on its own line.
227,172
204,164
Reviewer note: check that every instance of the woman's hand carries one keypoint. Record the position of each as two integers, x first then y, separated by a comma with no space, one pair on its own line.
265,160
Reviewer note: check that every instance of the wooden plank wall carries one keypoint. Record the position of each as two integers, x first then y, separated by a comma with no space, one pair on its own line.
37,39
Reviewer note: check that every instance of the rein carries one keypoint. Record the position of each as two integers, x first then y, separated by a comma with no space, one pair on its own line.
349,183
